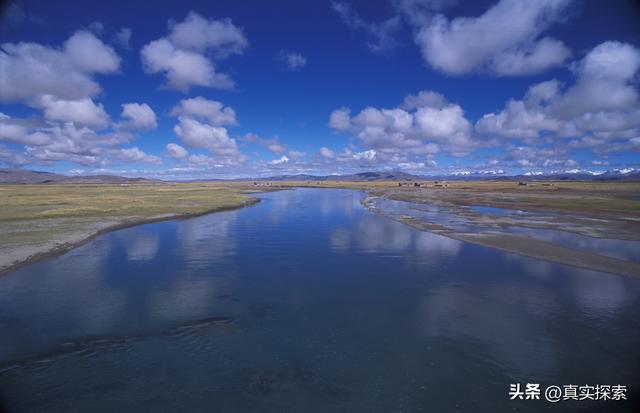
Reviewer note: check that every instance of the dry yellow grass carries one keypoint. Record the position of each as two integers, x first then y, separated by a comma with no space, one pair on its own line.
36,219
26,202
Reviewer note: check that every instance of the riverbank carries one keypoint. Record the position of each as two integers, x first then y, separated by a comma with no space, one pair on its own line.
534,248
40,221
521,221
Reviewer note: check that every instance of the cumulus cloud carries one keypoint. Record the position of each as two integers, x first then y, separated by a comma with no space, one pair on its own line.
292,61
296,155
81,111
186,55
199,34
340,119
599,107
47,141
200,135
135,154
60,82
327,153
20,132
604,81
213,111
30,70
138,116
89,55
282,160
505,40
176,151
423,125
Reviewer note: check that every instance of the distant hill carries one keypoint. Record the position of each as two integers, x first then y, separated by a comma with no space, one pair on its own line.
573,175
24,176
363,176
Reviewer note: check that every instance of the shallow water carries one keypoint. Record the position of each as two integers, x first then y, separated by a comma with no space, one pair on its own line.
306,302
621,249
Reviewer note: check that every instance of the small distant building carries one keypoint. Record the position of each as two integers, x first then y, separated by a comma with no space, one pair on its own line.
521,183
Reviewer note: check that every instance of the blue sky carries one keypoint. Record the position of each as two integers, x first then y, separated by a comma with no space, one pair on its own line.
228,89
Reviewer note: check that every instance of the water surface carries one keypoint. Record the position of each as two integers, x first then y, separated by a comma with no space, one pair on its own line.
306,302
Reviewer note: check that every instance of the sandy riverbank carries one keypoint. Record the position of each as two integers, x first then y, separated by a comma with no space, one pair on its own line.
535,248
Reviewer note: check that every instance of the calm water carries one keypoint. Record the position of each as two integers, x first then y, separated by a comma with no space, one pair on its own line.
306,302
621,249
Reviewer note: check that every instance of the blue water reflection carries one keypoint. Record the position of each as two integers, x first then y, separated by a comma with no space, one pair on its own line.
305,302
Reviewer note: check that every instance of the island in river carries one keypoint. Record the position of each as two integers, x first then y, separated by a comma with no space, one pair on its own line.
564,222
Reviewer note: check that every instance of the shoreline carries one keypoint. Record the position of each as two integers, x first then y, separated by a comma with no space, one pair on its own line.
528,247
507,242
65,247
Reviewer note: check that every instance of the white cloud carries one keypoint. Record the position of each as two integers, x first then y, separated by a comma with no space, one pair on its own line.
176,151
183,69
15,133
442,124
505,40
215,112
424,98
139,116
82,111
296,155
601,106
282,160
542,55
425,124
136,155
184,56
604,81
200,34
31,70
273,145
60,82
56,140
199,135
340,120
89,55
327,153
369,155
292,60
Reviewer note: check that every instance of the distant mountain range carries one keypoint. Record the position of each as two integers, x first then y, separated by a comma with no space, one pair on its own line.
24,176
571,175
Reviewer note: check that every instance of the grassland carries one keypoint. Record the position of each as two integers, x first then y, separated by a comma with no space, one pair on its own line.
40,220
44,219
